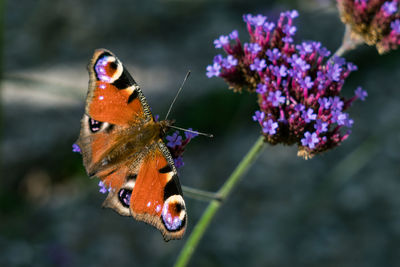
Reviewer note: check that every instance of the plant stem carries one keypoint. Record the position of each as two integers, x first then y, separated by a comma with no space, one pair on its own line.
225,190
200,194
349,42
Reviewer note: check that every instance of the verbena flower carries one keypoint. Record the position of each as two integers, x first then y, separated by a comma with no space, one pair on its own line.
76,148
174,140
103,188
298,87
377,22
176,145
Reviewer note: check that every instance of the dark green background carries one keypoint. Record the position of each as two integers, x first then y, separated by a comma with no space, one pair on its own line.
341,208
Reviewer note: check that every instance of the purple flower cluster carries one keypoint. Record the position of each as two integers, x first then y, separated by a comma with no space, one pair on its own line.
377,22
298,87
177,144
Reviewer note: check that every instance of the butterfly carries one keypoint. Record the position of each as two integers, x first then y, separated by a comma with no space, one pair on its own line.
121,143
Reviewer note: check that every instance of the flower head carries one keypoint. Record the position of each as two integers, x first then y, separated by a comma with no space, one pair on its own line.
298,87
373,22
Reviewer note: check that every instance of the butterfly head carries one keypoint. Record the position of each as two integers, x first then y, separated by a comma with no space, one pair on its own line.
165,125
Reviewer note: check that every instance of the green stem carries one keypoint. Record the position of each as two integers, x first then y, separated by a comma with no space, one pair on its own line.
214,205
349,43
200,194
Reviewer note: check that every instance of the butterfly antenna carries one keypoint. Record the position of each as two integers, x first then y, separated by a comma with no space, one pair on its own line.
191,131
176,96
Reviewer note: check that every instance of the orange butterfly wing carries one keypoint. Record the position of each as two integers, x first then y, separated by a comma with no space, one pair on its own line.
120,143
115,98
159,201
114,102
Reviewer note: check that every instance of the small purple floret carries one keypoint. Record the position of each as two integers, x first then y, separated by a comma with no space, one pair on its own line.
298,63
259,116
221,41
292,14
275,98
174,140
234,35
324,103
253,48
258,64
306,82
289,30
309,115
321,126
360,93
213,70
256,20
280,71
190,135
103,189
395,25
334,72
179,162
310,140
261,88
305,48
218,59
339,60
268,26
273,54
389,8
299,107
270,127
76,148
229,62
339,117
336,103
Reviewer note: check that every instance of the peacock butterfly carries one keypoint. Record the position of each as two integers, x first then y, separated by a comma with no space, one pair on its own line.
121,143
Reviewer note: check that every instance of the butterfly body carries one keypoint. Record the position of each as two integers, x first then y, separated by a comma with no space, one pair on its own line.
121,144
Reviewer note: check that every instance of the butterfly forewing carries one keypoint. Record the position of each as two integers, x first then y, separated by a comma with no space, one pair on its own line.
114,95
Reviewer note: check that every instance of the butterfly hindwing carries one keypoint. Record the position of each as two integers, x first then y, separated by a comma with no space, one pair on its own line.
157,196
151,193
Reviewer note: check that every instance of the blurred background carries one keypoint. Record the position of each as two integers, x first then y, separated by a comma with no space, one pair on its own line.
341,208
